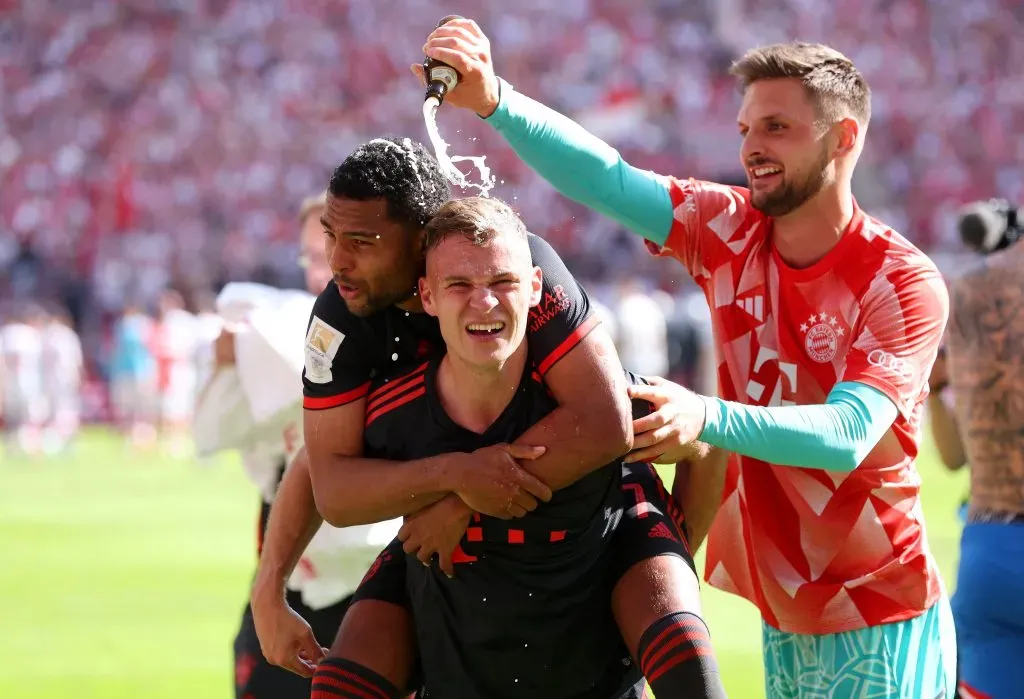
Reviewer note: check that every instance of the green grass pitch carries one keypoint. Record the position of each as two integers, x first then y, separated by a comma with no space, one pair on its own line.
124,576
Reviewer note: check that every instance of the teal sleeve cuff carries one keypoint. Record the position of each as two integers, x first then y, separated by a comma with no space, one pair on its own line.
582,166
836,436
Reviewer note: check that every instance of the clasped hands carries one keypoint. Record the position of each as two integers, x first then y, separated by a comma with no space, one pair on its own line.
492,481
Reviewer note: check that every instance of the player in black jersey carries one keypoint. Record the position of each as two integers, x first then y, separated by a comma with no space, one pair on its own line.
368,320
528,611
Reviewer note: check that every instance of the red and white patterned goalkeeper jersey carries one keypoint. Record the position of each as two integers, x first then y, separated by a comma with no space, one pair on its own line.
817,551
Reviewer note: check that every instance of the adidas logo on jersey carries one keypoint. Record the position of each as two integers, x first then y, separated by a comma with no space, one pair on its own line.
661,531
753,305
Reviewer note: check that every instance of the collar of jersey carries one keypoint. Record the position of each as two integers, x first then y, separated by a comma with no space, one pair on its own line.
441,415
831,258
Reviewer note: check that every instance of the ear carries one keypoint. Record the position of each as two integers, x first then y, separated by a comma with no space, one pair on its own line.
536,286
427,297
847,131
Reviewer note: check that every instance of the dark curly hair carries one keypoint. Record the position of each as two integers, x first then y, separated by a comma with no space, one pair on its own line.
399,170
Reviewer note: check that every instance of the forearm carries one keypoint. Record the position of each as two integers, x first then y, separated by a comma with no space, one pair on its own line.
577,442
293,523
355,490
697,489
582,166
835,436
574,447
945,433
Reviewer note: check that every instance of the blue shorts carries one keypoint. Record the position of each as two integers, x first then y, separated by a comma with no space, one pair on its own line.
989,610
912,659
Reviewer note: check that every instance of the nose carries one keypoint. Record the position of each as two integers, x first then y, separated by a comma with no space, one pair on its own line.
750,149
483,299
339,258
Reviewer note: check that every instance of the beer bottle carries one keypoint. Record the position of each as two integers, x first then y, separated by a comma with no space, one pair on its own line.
441,77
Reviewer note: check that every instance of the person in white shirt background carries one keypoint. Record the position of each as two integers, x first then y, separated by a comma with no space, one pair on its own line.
252,403
62,380
177,374
208,325
21,379
642,331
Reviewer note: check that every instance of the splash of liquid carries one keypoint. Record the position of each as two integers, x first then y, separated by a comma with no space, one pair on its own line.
447,163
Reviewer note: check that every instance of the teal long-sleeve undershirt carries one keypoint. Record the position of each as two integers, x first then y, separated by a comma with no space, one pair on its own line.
835,436
583,167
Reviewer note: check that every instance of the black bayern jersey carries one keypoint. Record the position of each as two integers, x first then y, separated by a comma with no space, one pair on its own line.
343,352
528,612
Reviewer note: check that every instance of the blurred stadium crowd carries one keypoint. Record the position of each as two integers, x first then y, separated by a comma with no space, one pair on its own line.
165,145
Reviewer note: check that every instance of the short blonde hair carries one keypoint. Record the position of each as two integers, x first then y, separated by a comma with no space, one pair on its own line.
478,219
312,204
835,86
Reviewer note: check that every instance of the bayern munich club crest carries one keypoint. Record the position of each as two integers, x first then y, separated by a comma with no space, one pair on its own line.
821,337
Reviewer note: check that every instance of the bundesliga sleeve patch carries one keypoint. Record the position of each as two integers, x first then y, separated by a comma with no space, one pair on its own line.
322,343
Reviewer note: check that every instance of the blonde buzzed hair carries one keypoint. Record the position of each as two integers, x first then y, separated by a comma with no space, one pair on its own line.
831,81
312,204
478,219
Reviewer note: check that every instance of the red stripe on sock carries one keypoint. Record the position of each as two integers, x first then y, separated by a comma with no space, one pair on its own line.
340,685
688,621
676,660
360,682
690,630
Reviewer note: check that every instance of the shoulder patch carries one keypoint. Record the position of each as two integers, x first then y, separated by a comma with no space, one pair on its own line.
322,343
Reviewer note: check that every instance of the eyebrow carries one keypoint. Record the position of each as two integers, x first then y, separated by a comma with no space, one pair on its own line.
370,235
499,277
768,117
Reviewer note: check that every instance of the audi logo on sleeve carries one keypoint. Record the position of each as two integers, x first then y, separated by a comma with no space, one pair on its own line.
892,364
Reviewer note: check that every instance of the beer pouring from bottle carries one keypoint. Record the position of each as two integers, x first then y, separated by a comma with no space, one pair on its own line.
441,78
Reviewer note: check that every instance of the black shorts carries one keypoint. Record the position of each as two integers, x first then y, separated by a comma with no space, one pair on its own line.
388,580
385,580
652,525
652,522
255,678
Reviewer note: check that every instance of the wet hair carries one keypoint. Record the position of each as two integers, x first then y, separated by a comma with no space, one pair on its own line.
835,86
478,219
401,172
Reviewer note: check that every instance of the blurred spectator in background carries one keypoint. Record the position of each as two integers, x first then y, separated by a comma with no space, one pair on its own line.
133,377
692,347
25,271
607,318
642,331
62,371
175,348
941,417
22,369
146,145
253,404
208,326
984,340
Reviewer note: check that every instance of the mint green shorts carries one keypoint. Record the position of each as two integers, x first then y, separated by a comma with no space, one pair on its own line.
912,659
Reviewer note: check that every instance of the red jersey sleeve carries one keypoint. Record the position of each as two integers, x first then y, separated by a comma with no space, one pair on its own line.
899,333
711,224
